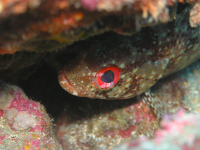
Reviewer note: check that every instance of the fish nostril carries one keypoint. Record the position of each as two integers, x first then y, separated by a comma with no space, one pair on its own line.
64,83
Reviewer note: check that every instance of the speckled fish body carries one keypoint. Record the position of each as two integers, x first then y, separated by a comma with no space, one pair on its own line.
143,59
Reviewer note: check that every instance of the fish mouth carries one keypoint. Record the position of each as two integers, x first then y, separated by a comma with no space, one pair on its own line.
65,84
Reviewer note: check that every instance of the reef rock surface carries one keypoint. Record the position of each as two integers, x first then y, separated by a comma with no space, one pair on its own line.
179,131
24,124
46,25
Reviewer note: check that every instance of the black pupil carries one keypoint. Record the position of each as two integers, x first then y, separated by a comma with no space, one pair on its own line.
107,77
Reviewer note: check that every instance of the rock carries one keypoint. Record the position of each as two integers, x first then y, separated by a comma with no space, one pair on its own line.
45,25
179,131
195,15
82,128
15,65
24,124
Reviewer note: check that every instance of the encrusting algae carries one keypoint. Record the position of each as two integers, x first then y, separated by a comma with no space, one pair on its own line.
109,66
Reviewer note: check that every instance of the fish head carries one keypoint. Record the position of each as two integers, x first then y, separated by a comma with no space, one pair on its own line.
97,73
112,70
83,82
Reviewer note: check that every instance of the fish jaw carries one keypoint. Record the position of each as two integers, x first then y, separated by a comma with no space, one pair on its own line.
71,87
64,83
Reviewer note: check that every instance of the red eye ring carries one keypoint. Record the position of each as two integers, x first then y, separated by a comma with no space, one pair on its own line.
114,72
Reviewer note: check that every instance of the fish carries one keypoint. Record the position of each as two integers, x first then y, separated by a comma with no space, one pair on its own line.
113,66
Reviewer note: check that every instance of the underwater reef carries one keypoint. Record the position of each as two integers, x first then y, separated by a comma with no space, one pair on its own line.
99,74
47,25
24,124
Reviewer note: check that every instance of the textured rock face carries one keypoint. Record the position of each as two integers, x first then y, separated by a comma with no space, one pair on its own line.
12,66
46,25
179,131
195,15
24,124
107,129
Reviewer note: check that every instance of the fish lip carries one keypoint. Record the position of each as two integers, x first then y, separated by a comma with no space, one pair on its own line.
65,84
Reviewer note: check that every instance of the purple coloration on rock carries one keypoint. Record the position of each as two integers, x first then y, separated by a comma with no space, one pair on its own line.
179,131
24,124
89,4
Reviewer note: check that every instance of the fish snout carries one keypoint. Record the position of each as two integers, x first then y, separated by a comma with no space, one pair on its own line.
65,84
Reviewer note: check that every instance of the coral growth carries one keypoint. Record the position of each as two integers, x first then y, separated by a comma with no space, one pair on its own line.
107,129
195,15
179,131
181,89
48,25
13,65
24,124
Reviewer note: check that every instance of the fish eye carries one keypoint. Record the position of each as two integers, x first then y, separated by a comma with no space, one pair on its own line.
107,77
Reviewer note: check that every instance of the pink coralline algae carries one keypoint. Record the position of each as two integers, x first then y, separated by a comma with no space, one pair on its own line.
24,124
143,59
180,131
47,25
89,4
195,15
106,129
